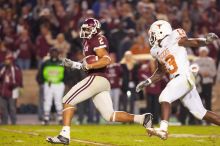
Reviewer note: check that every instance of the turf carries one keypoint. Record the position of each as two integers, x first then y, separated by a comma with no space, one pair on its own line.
110,135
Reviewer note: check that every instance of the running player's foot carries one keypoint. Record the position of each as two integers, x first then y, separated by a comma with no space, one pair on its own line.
157,132
148,120
58,140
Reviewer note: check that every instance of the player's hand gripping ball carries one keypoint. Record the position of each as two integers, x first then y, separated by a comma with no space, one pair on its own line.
90,59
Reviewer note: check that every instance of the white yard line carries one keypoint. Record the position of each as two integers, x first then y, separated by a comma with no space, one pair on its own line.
192,136
72,139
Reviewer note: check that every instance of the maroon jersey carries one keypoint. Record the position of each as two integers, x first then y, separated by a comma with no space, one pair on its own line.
98,41
114,75
25,48
42,46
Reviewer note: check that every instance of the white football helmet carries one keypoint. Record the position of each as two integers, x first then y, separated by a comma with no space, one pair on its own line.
158,30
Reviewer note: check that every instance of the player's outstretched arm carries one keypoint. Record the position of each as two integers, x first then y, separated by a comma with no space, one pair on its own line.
103,61
157,76
198,42
70,64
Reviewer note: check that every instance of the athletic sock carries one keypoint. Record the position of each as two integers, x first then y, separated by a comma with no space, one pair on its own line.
139,119
164,125
65,132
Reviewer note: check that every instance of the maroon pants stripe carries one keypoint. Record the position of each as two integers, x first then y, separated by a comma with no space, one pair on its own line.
80,90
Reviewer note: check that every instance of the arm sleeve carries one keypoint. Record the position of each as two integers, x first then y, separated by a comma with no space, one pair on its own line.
178,34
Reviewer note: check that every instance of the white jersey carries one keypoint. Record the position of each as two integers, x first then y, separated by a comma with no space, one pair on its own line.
175,60
173,56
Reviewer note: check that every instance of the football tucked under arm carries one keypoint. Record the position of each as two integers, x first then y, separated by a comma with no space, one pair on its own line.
95,62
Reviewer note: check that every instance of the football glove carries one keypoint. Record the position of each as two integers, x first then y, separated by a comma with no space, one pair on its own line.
84,65
210,37
143,84
71,64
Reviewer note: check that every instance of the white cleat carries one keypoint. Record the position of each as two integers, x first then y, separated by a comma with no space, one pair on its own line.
157,132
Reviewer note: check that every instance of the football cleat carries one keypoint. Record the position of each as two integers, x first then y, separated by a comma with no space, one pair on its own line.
148,120
58,140
157,132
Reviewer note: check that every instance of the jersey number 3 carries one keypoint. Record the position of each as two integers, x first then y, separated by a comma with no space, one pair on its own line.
172,64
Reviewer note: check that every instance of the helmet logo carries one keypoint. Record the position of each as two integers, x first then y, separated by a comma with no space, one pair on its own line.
159,25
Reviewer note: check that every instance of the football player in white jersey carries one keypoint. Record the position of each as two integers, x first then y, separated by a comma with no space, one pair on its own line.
168,48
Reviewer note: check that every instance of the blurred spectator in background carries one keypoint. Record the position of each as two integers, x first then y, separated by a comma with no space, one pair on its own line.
207,69
62,45
42,44
126,43
99,6
3,52
9,38
24,50
140,46
51,75
129,68
114,74
10,79
115,40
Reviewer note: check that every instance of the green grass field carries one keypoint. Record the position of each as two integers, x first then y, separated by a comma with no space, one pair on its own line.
110,135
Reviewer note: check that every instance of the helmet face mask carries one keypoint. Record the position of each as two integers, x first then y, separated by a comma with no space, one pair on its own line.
89,28
152,38
158,31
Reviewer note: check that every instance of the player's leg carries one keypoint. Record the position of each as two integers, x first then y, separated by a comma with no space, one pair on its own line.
84,90
103,103
58,94
48,100
193,102
4,110
78,93
212,118
174,90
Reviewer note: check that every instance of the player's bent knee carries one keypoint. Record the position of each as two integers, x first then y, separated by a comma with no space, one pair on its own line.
107,115
199,114
164,99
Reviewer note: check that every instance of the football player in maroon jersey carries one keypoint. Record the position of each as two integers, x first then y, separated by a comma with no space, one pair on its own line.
95,85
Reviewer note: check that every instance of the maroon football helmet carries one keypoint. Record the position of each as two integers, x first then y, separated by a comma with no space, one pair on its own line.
90,27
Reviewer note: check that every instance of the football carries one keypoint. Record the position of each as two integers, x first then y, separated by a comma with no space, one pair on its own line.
91,59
